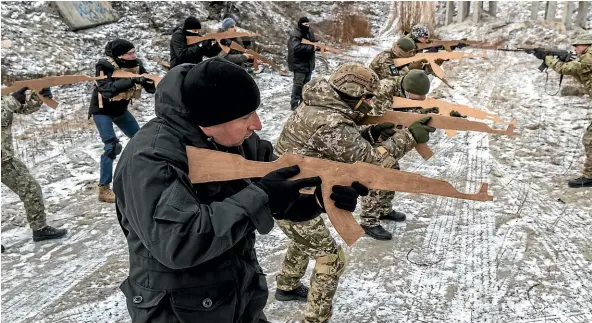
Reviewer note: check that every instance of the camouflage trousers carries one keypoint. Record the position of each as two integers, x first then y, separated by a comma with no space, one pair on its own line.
376,204
587,141
16,176
312,240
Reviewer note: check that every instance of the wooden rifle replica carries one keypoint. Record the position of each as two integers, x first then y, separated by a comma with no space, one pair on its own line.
37,85
219,36
257,56
445,108
324,48
405,119
126,74
449,44
207,165
432,57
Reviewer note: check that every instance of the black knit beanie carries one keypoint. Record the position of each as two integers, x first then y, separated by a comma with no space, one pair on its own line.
217,91
118,47
192,23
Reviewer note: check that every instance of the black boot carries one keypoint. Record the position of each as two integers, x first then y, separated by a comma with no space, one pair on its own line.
47,233
377,232
298,294
3,249
580,182
394,216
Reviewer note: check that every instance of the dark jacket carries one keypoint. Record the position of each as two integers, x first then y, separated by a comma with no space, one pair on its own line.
110,88
182,53
191,247
301,58
234,55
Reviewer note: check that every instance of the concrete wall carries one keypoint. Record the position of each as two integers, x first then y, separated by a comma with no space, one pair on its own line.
85,14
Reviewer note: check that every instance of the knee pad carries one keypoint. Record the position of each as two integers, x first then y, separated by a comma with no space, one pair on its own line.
112,148
331,264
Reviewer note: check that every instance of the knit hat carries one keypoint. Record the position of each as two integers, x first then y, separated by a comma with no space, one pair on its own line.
217,91
118,47
191,23
227,23
416,82
406,44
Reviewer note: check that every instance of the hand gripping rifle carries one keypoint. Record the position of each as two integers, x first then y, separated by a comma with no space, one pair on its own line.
207,165
563,55
432,57
219,36
257,56
126,74
37,85
405,119
324,48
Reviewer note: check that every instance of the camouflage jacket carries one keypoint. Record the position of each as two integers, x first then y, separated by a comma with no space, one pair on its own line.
387,89
580,68
325,127
383,65
10,106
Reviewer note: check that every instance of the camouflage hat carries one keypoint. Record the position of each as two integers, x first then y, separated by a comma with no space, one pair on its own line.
419,31
416,82
584,40
354,80
405,44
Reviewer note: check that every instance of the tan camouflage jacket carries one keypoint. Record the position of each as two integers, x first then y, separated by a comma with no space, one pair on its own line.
387,89
325,127
10,106
383,65
580,68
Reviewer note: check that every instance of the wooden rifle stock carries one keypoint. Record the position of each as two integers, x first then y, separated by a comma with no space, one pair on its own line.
37,85
207,165
126,74
324,48
257,56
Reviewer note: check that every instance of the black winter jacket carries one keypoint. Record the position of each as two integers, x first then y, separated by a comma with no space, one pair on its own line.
301,57
181,53
191,247
110,88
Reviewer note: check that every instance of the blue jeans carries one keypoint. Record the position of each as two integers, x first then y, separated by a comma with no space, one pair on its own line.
128,124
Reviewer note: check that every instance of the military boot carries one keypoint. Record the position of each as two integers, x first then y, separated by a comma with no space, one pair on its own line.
47,233
394,216
377,232
580,182
298,294
3,249
106,194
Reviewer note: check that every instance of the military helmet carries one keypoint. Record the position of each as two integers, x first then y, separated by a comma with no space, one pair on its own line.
419,31
583,40
416,82
404,44
354,79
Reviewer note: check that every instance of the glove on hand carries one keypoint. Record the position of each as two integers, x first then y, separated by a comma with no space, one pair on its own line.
20,95
345,197
430,110
456,114
46,92
421,131
382,131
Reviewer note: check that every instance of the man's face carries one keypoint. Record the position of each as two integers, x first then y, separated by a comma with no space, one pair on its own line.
580,49
423,40
233,133
414,96
129,56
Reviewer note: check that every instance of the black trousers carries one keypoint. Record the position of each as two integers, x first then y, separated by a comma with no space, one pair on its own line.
299,80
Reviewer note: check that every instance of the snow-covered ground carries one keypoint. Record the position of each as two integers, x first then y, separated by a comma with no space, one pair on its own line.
525,257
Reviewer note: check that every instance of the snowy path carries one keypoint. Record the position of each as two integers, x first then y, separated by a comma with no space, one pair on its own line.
526,257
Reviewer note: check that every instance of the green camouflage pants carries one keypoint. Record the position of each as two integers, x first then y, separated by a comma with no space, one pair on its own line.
312,240
16,176
376,204
587,141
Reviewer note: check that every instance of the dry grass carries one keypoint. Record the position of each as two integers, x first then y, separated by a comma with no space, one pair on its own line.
346,25
411,13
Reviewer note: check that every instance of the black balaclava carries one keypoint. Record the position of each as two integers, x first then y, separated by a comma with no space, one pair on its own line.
302,27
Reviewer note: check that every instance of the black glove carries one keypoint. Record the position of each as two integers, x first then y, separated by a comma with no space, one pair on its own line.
383,131
456,114
539,53
421,131
20,95
429,110
283,192
345,197
46,92
460,45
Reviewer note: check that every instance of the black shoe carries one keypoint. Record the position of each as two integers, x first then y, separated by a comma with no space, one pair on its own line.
580,182
298,294
394,216
3,249
378,232
48,233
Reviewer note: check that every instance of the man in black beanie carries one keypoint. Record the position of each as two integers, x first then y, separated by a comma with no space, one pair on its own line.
194,53
301,58
192,247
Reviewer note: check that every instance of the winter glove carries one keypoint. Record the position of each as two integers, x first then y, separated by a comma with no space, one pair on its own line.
456,114
383,131
345,197
20,95
429,110
281,191
460,45
539,53
46,92
421,131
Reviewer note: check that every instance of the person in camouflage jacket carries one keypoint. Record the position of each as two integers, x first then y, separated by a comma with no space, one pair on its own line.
581,69
15,174
383,65
325,126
